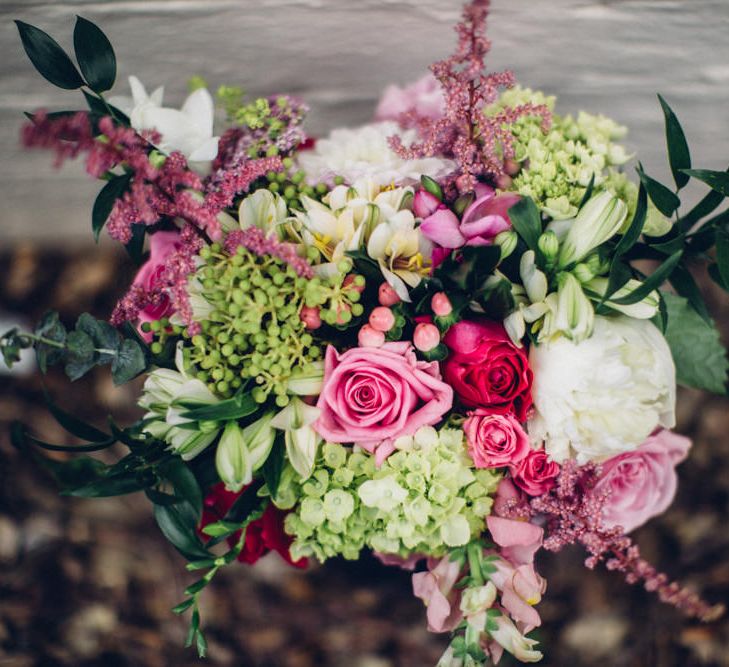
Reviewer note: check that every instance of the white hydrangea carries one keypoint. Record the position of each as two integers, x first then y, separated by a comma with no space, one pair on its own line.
604,395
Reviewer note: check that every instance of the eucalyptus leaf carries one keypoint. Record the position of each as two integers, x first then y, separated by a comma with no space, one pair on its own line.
80,354
129,362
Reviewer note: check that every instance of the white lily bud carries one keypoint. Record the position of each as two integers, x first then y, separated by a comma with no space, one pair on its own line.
475,600
571,312
535,282
259,437
596,222
301,439
507,241
307,381
233,459
548,244
262,209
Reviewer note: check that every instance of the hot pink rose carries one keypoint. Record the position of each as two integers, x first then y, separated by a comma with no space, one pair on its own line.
424,98
372,396
486,370
642,483
495,441
482,221
535,474
161,246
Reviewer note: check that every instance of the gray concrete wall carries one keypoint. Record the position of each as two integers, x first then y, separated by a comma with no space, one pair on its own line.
600,55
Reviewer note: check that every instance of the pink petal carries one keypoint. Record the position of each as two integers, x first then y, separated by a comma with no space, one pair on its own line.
442,228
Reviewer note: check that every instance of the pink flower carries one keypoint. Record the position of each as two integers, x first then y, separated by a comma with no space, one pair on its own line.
436,589
642,483
495,441
162,245
482,221
536,473
424,97
486,370
519,540
425,203
371,396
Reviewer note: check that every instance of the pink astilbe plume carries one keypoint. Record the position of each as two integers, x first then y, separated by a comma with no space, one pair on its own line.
479,144
255,240
573,511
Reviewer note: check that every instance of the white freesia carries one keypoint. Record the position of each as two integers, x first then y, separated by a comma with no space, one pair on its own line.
302,441
188,130
604,395
508,636
363,152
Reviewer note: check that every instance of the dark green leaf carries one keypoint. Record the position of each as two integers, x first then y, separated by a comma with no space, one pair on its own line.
706,206
106,338
183,481
679,156
178,525
48,57
713,270
51,329
110,485
696,347
633,232
245,506
274,464
100,108
160,498
588,192
128,363
526,221
722,255
96,447
135,247
74,425
716,180
684,283
105,201
241,405
654,281
95,55
665,200
183,606
80,355
619,275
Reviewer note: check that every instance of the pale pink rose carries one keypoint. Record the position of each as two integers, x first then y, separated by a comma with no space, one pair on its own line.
161,246
482,221
436,589
642,483
495,441
371,396
424,97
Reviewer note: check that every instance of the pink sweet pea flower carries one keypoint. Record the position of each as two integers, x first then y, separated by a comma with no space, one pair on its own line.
161,245
435,589
643,482
372,396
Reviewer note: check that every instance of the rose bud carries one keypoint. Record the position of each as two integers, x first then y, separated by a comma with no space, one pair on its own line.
426,337
382,319
369,337
387,296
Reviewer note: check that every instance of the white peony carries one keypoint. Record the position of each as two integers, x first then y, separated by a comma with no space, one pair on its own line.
604,395
363,152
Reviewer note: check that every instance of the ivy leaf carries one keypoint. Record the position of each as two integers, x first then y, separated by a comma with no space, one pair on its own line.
700,358
51,61
665,200
105,201
679,156
716,180
128,363
95,55
527,221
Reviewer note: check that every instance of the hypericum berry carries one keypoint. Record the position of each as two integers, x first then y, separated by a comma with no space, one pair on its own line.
387,296
311,317
369,337
382,319
426,337
441,304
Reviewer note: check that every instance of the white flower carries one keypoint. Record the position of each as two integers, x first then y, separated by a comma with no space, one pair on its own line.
302,441
263,209
188,130
363,152
241,451
507,634
604,395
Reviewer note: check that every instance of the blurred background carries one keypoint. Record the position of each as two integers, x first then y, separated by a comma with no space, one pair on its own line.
87,583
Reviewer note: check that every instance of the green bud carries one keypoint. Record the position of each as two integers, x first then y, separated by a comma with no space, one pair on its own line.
431,186
507,241
548,244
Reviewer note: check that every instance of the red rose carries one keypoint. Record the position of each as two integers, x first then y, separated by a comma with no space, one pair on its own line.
535,474
486,370
262,535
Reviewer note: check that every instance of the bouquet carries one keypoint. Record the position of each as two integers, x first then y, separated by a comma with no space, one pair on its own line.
451,337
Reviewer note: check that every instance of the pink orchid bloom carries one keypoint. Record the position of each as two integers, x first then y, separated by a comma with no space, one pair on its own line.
435,589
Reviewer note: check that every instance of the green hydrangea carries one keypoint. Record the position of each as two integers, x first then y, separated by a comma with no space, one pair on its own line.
425,498
562,161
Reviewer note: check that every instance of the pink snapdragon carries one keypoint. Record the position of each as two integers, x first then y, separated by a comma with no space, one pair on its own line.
436,588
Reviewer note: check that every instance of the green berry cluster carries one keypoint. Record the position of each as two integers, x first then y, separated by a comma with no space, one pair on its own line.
252,330
292,186
162,331
424,499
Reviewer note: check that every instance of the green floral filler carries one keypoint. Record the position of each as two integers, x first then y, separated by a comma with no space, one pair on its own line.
424,498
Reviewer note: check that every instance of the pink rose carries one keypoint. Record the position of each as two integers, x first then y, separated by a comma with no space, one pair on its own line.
424,98
535,474
161,246
642,483
372,396
486,370
495,441
482,221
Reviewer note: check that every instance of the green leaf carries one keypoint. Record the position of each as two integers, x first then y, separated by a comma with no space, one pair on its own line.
716,180
713,270
700,358
96,447
48,57
74,425
183,606
526,221
178,524
128,363
95,55
632,234
706,206
684,283
652,282
201,644
80,354
105,201
106,486
273,467
183,481
135,247
619,275
665,200
50,328
241,405
679,156
588,191
221,528
722,255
